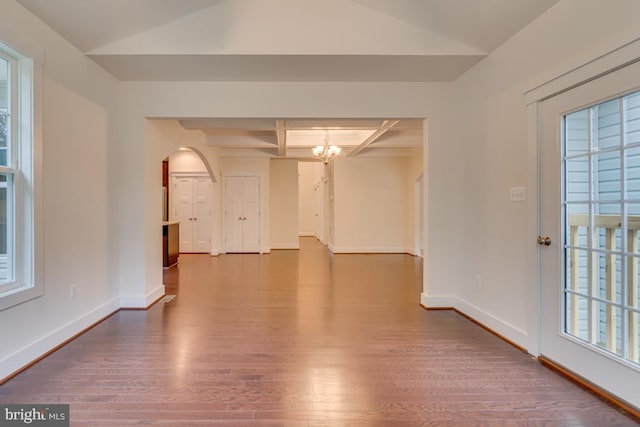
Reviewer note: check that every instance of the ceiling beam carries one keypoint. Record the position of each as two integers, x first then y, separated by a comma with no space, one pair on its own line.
386,125
281,134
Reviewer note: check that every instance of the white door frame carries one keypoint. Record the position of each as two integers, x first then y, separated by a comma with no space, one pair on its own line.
418,228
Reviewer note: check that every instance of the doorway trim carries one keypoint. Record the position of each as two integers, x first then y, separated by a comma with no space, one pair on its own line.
418,217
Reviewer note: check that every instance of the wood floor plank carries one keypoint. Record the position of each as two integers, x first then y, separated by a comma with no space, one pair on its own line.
306,339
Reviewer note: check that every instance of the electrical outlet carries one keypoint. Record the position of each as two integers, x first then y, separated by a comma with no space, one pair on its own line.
73,291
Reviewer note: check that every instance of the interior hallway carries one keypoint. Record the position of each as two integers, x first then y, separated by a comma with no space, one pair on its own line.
301,338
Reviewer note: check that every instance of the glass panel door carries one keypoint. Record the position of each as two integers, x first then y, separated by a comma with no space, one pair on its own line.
590,209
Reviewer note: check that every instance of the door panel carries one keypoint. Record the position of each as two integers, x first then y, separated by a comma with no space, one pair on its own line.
233,229
192,207
317,210
251,214
202,215
242,223
585,286
183,190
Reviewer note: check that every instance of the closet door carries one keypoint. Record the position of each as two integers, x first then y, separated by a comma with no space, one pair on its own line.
182,211
242,214
251,214
192,208
233,211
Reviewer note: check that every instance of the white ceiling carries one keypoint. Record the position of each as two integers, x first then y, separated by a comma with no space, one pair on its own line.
291,40
287,40
89,24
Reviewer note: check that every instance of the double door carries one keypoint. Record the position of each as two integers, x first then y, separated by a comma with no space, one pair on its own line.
192,207
242,214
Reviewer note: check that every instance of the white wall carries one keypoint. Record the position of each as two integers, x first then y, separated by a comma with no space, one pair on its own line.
370,205
283,204
77,100
488,154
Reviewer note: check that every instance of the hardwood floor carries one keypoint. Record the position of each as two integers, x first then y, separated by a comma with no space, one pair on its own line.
301,338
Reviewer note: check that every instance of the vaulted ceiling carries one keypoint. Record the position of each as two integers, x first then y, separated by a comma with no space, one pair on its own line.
290,40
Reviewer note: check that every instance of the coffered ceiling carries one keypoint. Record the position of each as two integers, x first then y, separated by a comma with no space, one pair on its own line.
295,138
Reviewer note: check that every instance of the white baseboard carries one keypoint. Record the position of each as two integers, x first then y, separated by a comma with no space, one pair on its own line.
369,250
431,301
26,355
139,301
498,325
285,246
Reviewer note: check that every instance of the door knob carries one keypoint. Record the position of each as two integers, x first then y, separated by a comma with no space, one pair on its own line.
546,240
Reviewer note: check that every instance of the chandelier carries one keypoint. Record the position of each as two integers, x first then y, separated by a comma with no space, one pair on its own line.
326,152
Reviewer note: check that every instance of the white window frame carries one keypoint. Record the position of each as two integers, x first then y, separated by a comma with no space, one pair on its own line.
24,165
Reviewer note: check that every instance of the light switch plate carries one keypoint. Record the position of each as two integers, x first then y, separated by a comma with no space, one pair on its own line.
518,194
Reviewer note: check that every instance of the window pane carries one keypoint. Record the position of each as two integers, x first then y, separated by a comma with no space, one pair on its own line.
632,119
577,319
607,270
4,110
607,126
6,202
577,268
607,176
633,285
577,179
632,173
633,226
607,219
609,324
634,347
577,133
577,225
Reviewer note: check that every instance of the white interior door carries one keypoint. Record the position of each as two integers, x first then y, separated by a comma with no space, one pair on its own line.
202,215
251,214
590,211
242,213
193,208
317,210
183,211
